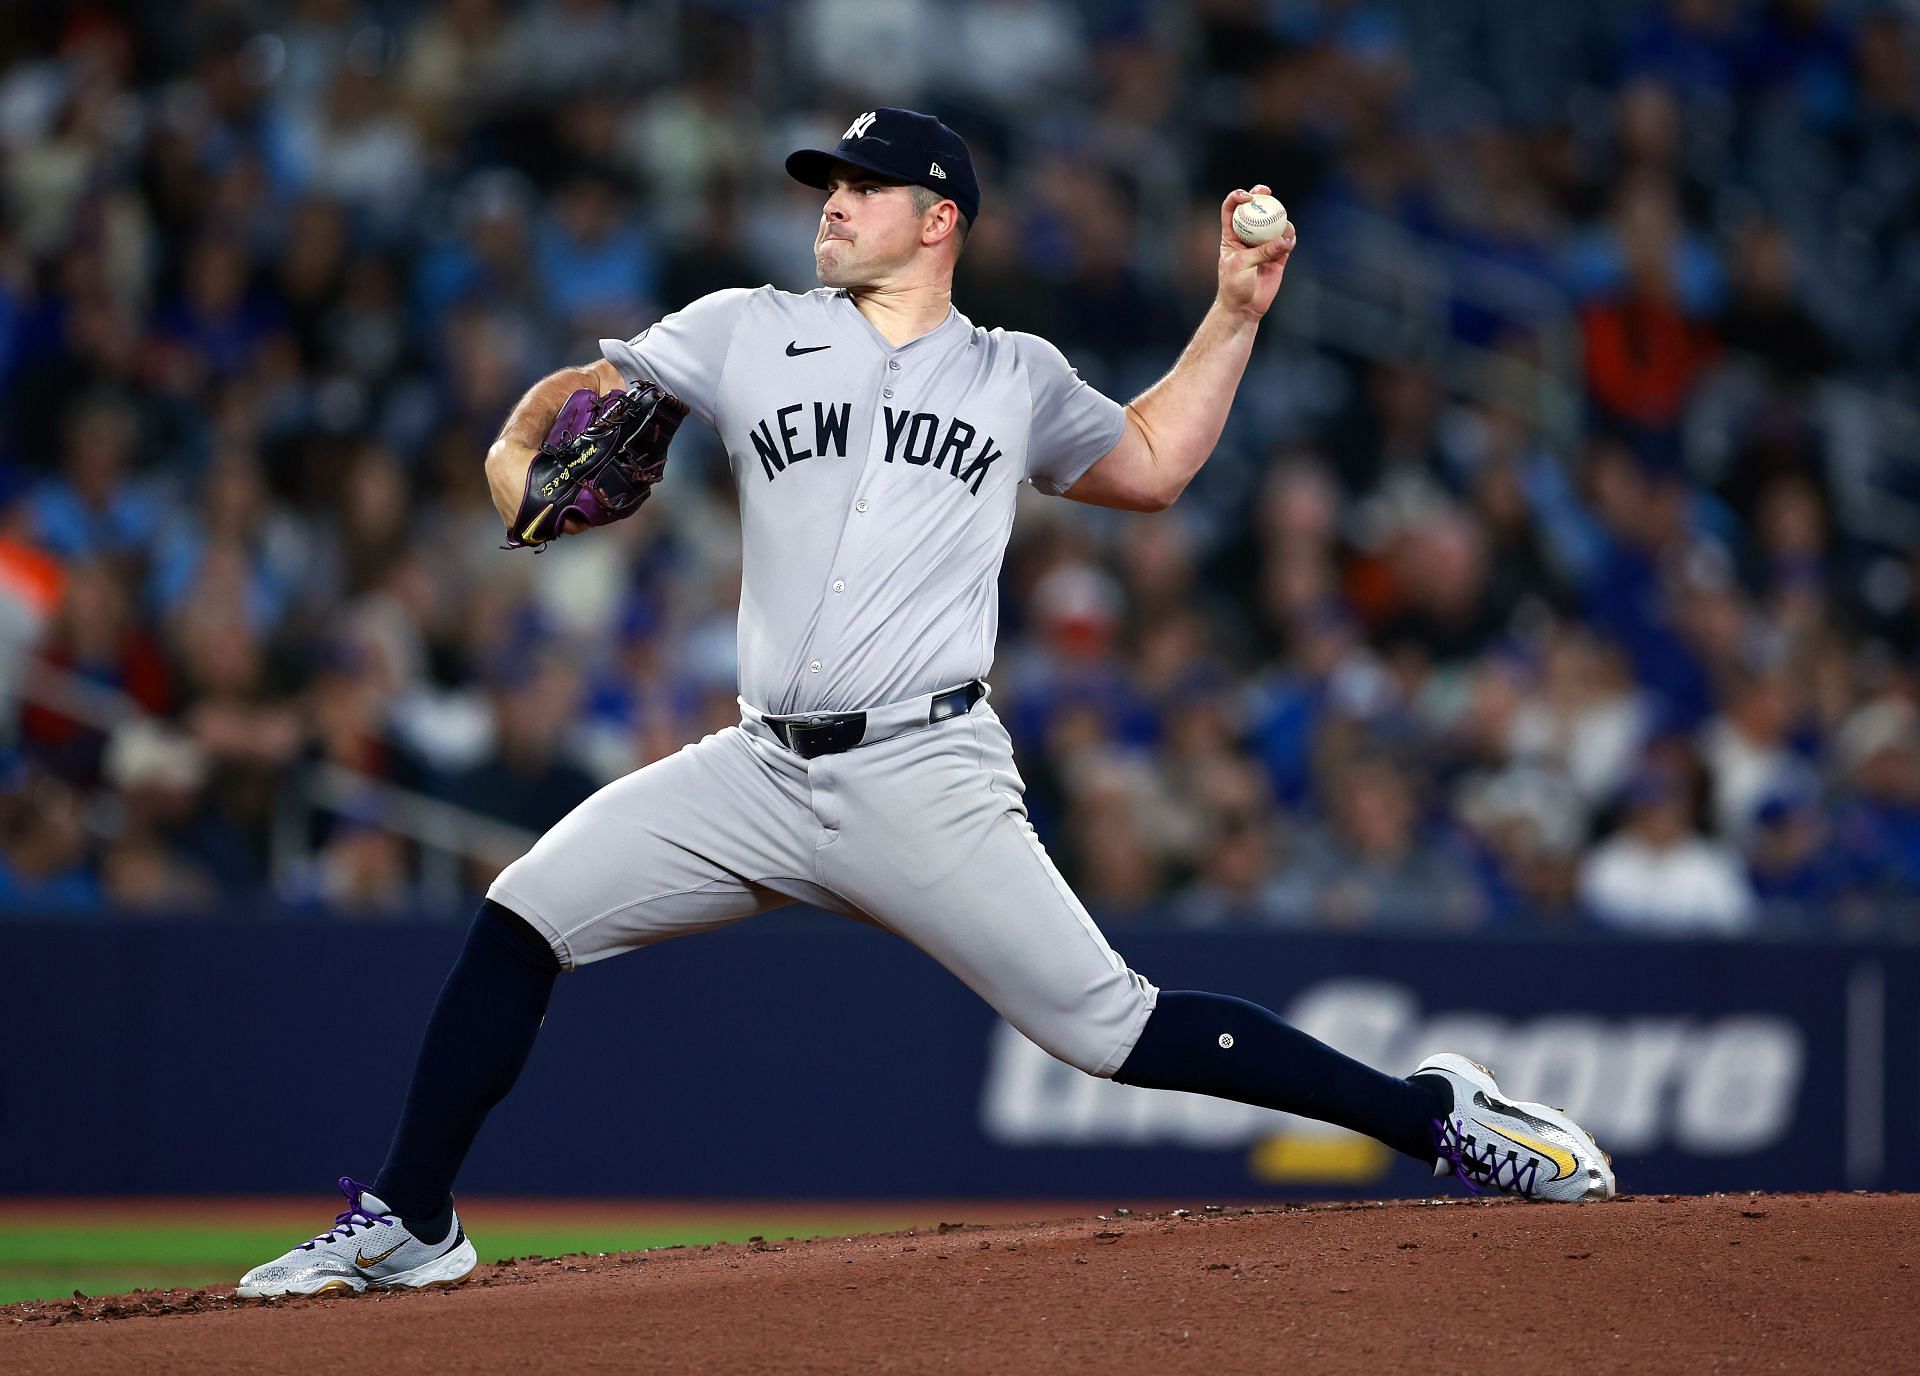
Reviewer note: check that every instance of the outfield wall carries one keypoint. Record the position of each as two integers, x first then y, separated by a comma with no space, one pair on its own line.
804,1056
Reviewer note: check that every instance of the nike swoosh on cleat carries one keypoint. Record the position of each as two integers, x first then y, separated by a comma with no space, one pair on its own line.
363,1261
794,351
1562,1158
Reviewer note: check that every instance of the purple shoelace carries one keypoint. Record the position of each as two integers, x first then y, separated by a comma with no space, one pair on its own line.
1476,1165
1446,1141
353,1217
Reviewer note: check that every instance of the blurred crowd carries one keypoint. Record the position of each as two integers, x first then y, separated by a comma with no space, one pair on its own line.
1418,651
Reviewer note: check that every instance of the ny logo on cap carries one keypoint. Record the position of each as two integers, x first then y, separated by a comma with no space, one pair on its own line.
858,129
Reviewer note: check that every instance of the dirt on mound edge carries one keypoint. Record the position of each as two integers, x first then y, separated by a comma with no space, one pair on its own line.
1649,1284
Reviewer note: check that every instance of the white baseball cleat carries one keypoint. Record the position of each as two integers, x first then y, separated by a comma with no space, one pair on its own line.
1518,1148
367,1247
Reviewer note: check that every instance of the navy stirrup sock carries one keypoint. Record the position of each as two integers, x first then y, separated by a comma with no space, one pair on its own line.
477,1040
1232,1049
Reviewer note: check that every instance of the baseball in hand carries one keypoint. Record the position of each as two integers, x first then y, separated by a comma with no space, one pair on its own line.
1259,220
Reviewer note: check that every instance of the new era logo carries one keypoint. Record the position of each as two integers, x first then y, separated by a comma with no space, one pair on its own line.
935,171
858,129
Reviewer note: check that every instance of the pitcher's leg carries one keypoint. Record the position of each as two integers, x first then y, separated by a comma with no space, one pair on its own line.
1229,1048
938,847
1019,938
657,854
1450,1114
690,843
477,1041
1015,934
935,845
714,833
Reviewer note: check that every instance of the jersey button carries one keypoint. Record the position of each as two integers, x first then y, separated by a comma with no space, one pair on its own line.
860,505
887,392
895,365
814,667
839,585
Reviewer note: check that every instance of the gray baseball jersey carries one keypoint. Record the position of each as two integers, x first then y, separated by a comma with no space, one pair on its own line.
876,484
877,490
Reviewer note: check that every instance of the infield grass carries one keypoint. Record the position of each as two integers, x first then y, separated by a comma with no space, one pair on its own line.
42,1257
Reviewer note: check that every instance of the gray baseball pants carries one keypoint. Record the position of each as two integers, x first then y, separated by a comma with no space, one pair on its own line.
924,833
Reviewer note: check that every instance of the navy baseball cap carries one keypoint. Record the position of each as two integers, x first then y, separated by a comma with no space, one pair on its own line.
901,144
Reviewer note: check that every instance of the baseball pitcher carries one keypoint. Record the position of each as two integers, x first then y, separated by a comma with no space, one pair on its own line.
878,439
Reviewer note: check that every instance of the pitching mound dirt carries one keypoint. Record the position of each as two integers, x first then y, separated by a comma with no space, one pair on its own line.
1728,1282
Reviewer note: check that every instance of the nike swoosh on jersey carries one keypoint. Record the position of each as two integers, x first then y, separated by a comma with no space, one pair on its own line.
1562,1158
794,351
363,1261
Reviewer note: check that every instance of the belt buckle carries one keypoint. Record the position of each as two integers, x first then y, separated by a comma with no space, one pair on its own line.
797,742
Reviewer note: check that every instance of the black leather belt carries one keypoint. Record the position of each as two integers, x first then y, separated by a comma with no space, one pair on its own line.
828,733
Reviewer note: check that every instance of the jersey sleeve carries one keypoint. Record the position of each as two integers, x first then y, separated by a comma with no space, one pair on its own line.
1073,424
685,351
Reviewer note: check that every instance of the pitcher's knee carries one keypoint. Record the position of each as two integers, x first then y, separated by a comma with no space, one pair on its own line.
1082,1054
1095,1036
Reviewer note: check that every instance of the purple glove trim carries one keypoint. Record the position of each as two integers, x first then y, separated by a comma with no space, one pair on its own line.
574,418
601,458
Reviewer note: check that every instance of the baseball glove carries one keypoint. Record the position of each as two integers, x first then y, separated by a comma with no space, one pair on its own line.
600,461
